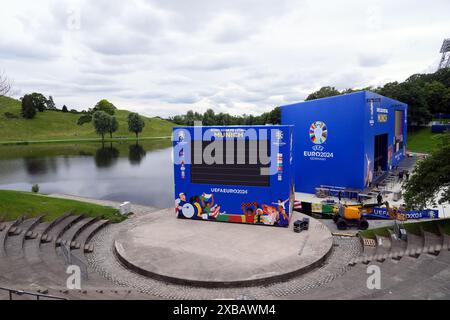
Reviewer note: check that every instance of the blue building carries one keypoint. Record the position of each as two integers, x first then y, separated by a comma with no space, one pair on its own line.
240,174
348,141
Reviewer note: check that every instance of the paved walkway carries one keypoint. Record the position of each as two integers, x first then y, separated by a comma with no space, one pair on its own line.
137,209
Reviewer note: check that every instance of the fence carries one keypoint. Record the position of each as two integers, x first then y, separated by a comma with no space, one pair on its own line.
38,296
71,259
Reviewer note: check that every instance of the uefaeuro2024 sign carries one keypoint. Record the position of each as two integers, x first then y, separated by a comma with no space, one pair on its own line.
381,213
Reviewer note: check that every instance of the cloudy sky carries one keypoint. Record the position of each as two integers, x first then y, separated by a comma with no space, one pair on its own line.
164,57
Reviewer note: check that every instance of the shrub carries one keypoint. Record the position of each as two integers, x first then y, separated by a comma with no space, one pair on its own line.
35,188
85,118
10,115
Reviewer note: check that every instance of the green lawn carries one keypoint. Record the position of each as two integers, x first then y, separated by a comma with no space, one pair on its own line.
53,125
423,140
14,204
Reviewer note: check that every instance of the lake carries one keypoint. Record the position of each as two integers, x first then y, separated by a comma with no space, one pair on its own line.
121,171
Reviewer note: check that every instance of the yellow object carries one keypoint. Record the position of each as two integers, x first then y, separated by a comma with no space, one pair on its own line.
352,213
199,209
316,207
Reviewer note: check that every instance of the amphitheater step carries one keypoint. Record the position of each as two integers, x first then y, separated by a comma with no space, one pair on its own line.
383,248
432,243
72,234
86,235
415,244
59,229
14,242
398,246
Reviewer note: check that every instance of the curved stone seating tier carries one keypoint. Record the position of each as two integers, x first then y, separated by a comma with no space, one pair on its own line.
86,235
4,235
432,242
14,243
425,277
383,248
55,233
415,244
398,246
71,235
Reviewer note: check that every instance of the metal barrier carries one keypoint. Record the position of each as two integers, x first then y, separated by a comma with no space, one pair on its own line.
71,259
38,296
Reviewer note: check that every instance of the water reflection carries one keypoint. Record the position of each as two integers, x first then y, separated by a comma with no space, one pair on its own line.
39,166
137,172
106,156
136,153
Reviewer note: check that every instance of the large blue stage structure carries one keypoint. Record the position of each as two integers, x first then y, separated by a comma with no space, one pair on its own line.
346,142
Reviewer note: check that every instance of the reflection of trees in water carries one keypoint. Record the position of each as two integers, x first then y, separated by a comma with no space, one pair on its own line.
136,153
36,166
106,156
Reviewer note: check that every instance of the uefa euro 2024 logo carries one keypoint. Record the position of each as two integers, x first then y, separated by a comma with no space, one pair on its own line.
318,132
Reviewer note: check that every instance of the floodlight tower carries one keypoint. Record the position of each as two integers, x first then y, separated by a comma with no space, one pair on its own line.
445,50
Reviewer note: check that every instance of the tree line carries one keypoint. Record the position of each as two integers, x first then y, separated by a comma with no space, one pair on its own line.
209,117
425,94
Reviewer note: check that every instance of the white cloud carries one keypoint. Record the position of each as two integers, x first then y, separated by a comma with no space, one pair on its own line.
164,57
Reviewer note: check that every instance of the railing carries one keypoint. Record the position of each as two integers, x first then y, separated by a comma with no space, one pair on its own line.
71,259
38,296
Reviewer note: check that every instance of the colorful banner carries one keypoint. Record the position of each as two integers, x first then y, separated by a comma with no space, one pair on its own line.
381,213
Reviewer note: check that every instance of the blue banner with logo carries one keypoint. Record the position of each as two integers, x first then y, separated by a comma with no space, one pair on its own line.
381,213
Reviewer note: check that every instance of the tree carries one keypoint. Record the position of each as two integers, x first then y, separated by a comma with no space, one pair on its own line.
102,123
323,93
39,101
135,123
430,181
105,106
113,126
434,95
413,94
51,104
5,85
446,101
64,109
28,109
209,117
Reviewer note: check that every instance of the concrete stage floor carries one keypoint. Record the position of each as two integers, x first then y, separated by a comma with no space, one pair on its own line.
215,254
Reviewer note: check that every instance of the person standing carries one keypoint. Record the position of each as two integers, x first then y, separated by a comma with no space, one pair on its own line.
379,198
340,196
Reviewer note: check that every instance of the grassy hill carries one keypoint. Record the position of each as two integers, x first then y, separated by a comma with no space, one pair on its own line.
53,125
423,140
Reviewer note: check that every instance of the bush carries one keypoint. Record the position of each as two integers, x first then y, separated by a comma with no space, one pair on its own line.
86,118
28,109
10,115
35,188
